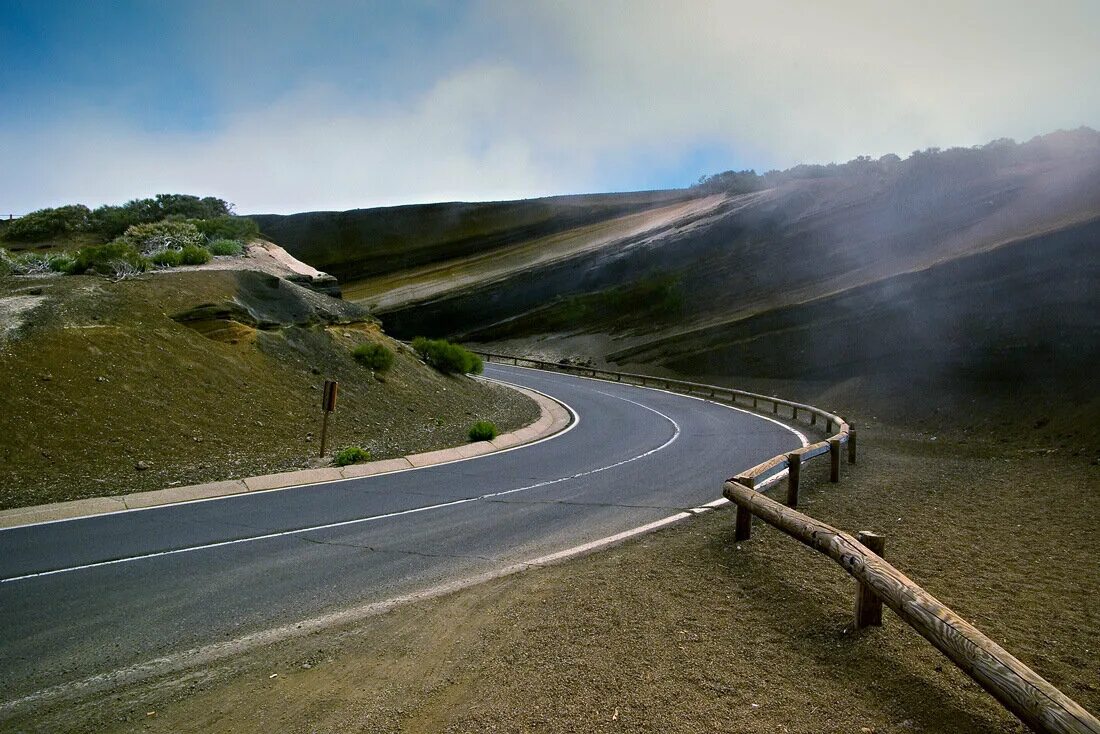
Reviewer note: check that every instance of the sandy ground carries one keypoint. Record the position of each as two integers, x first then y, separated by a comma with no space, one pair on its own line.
686,631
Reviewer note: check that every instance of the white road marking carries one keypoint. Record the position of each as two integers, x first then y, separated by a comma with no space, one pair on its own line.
576,419
372,518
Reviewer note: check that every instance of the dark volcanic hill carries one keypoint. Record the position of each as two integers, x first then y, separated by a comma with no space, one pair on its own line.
977,261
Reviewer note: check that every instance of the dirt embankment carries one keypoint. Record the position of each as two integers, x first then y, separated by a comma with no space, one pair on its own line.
686,631
201,375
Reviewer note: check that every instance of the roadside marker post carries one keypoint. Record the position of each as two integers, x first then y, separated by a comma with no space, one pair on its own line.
328,405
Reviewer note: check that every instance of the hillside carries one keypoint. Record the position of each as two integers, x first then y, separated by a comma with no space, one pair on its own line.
902,258
201,374
364,243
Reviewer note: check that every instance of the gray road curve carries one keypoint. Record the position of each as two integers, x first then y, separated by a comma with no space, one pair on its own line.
116,590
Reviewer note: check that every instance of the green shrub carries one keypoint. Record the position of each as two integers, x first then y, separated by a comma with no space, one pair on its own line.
157,236
167,258
446,357
193,255
111,221
378,357
228,228
61,262
483,431
225,247
351,455
118,258
48,223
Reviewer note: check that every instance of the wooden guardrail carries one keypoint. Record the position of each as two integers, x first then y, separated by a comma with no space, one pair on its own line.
1022,691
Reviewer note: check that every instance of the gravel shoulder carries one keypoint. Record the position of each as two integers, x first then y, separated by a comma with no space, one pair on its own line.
685,631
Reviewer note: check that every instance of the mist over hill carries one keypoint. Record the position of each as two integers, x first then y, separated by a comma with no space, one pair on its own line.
965,262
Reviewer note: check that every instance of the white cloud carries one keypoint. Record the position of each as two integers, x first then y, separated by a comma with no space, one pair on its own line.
571,96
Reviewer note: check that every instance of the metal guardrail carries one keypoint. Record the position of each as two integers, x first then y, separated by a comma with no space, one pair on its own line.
1022,691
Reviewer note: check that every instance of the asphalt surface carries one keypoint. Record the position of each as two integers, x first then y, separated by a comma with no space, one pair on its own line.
121,589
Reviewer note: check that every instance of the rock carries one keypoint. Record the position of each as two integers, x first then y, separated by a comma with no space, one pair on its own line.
45,377
141,466
101,378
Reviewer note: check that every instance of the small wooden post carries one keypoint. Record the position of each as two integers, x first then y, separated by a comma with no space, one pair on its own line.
794,468
328,404
794,414
829,426
775,407
743,528
869,606
813,418
754,403
834,460
851,443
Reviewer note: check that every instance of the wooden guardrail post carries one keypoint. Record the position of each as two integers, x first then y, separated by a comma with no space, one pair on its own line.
775,407
851,443
755,403
794,468
868,605
834,460
743,523
813,418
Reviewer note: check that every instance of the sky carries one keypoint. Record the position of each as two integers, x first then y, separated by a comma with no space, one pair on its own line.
283,106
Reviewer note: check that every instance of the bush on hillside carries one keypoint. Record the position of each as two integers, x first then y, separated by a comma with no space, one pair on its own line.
375,356
228,228
29,263
350,455
157,236
483,431
225,247
45,224
111,221
62,262
118,259
446,357
167,258
194,255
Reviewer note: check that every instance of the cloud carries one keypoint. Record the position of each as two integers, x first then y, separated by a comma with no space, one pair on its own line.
567,96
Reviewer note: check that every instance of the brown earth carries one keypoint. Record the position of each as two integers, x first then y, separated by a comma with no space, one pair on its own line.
195,376
685,631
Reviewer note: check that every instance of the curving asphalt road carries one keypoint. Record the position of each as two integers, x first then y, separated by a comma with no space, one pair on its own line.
84,597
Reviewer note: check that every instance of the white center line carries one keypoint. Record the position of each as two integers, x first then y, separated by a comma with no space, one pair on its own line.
373,518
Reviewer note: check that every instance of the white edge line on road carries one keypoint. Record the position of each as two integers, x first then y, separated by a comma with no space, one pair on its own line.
360,520
781,424
575,419
220,650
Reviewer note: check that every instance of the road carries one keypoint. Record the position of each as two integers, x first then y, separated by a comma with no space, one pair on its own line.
85,597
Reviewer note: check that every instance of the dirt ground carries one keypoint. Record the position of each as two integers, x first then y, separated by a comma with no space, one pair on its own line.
685,631
104,392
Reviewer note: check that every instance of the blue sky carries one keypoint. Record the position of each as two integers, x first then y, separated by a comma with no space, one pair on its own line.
281,107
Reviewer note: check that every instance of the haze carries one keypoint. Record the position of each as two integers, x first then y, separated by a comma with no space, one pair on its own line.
282,109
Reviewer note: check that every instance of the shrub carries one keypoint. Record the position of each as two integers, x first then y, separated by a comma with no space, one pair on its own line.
118,258
483,431
446,357
47,223
351,455
376,356
193,255
157,236
225,247
228,228
5,262
167,258
61,262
